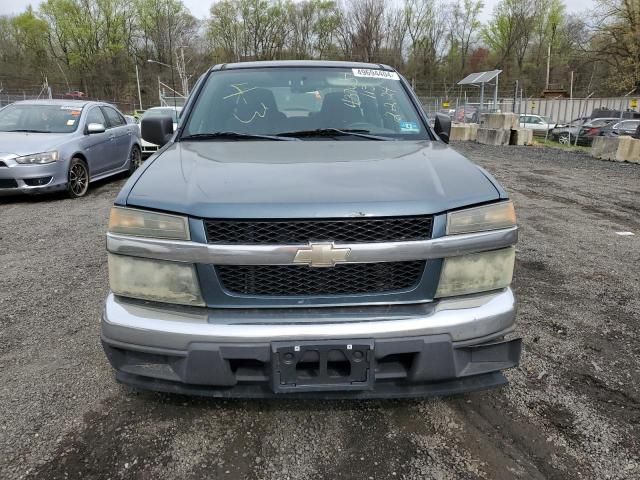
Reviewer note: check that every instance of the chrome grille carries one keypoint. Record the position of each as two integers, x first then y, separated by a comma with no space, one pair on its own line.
343,279
348,230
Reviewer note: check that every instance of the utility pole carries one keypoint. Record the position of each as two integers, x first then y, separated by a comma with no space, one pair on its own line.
181,67
571,86
548,65
138,81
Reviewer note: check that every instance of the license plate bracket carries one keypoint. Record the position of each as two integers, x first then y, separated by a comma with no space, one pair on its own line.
308,366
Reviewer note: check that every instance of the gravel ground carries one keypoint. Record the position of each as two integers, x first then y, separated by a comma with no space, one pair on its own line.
571,411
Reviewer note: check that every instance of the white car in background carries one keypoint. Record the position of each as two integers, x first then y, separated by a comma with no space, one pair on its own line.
149,149
537,123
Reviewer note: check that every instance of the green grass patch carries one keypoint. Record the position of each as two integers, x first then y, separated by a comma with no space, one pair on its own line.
553,144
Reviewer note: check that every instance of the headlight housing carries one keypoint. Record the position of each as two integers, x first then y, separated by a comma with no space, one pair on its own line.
38,158
479,219
142,223
150,279
476,272
157,280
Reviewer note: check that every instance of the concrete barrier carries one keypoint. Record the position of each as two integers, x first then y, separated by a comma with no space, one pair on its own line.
506,121
628,150
605,148
464,132
616,149
493,136
521,136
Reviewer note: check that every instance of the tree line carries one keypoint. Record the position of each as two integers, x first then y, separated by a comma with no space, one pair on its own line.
94,45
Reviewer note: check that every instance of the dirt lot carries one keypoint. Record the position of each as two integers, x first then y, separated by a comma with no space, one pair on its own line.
572,410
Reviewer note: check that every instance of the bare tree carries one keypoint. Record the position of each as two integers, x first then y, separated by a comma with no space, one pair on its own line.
465,24
363,29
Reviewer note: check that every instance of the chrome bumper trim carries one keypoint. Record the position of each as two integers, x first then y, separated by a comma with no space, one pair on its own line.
463,318
192,252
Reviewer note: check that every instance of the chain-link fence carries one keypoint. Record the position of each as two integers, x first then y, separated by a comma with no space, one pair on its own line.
558,110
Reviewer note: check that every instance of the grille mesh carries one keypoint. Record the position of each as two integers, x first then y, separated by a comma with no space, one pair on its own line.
294,280
8,183
352,230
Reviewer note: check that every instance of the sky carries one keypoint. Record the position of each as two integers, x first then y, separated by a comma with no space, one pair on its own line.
200,8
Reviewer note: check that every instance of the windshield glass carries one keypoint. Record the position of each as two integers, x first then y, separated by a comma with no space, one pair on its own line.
272,101
162,112
40,118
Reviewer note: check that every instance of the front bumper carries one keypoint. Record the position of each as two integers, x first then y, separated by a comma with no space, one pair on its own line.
450,346
31,179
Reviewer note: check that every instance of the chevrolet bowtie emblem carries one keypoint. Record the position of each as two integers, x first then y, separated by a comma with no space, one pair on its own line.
322,255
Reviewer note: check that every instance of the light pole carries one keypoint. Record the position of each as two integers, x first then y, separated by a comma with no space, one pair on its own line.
183,77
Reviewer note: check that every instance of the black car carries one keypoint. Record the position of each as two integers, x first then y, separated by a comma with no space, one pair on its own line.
593,129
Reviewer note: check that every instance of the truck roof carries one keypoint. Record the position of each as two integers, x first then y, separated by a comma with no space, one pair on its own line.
300,63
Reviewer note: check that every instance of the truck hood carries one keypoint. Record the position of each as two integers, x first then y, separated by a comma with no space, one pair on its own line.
307,179
22,143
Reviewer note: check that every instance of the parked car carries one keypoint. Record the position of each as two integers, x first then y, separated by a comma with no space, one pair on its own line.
76,95
466,114
131,119
537,123
348,251
51,145
625,127
173,112
592,129
562,133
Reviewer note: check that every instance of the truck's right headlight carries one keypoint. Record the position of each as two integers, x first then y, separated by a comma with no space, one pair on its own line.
144,223
157,280
480,219
476,272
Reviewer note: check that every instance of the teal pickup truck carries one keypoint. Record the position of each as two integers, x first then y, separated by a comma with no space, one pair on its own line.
304,232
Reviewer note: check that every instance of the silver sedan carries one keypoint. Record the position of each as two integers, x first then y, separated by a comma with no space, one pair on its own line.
53,145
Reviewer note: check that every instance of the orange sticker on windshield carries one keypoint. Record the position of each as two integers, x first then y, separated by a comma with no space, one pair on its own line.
76,113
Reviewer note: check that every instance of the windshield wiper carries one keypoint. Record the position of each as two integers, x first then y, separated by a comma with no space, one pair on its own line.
232,136
333,132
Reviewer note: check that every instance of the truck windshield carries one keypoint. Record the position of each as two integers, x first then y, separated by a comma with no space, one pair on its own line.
40,118
303,102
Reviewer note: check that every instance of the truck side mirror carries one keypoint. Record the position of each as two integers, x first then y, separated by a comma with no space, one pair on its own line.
442,126
157,130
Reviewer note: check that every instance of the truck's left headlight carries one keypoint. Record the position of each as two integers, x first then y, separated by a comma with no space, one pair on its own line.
157,280
38,158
